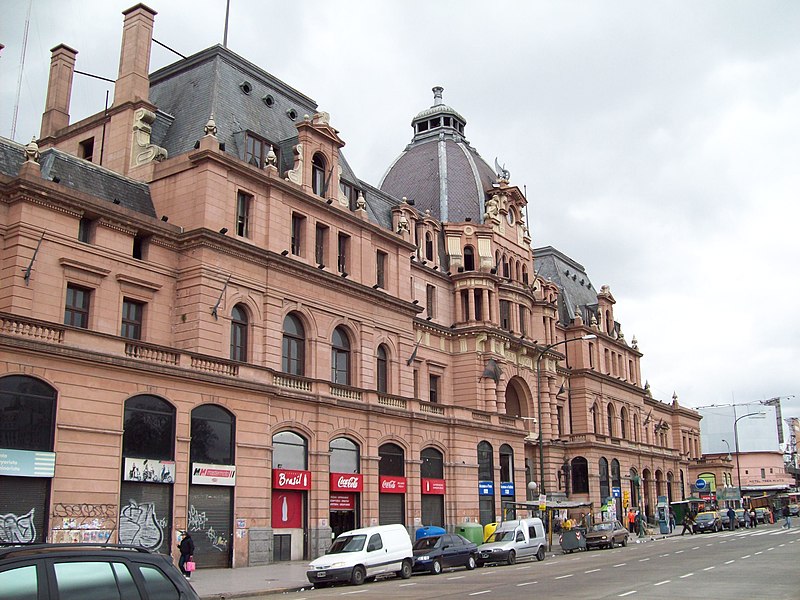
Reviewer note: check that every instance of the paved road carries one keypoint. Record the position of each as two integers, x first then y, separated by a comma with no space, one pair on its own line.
745,564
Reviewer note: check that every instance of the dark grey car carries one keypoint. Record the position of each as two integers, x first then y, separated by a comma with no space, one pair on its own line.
58,571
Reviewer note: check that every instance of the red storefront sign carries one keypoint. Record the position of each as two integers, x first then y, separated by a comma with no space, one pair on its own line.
392,485
343,501
347,482
287,509
286,479
434,486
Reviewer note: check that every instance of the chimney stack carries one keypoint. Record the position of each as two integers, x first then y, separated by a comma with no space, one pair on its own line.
133,81
59,90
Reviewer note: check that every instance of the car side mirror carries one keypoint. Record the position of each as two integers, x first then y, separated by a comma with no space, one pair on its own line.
445,547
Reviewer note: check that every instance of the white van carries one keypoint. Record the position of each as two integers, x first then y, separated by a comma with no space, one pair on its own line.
361,554
523,538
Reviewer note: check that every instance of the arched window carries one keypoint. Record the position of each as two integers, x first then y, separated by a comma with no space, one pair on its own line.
513,405
469,258
149,428
392,460
428,245
609,326
616,482
525,274
318,168
635,427
213,435
506,463
486,476
294,343
432,466
605,484
289,451
671,481
340,357
505,267
345,456
580,475
611,414
239,323
623,418
382,369
595,424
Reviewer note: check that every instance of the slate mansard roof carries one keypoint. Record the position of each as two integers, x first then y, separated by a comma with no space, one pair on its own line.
80,175
576,289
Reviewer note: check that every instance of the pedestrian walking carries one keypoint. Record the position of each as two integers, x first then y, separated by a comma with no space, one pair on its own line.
688,523
787,517
731,518
186,548
671,521
631,521
747,518
753,518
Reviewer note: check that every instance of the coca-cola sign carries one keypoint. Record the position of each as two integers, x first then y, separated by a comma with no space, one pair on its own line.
342,502
347,482
287,479
434,486
392,485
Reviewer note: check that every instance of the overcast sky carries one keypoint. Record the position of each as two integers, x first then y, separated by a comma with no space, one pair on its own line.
659,141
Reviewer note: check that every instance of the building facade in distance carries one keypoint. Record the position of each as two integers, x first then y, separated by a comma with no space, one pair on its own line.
209,322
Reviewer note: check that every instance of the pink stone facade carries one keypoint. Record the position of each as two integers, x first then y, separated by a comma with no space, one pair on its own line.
394,350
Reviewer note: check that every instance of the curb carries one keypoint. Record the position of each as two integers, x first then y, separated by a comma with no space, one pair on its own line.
254,593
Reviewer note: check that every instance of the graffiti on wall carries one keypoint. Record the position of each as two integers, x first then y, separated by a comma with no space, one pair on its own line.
198,522
139,525
73,523
16,529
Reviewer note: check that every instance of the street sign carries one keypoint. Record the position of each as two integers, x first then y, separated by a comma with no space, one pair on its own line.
616,492
542,501
700,484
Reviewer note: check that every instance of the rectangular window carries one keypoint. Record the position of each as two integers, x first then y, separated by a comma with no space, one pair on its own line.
478,300
298,227
86,149
416,383
85,230
255,152
244,203
522,319
433,389
76,307
505,315
139,247
763,474
132,319
320,244
430,300
560,420
380,269
591,355
342,245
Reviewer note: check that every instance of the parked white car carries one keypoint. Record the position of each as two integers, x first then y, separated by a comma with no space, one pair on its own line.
512,540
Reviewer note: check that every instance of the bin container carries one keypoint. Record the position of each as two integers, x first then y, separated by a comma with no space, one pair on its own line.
488,530
472,531
429,530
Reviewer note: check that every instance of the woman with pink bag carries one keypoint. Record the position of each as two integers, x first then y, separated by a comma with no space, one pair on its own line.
186,561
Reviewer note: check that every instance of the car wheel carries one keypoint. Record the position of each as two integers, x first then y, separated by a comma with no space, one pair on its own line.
436,567
405,570
625,541
512,557
358,576
540,553
471,563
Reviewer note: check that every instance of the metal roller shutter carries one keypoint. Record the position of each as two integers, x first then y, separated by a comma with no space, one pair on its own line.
23,508
391,509
145,516
433,510
210,520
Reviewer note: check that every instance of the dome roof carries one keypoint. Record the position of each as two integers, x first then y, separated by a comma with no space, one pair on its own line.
439,170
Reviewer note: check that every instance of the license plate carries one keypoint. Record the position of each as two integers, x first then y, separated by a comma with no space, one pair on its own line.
320,573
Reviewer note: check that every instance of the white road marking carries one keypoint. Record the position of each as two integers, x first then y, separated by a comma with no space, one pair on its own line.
406,584
708,568
356,592
663,555
687,575
643,559
773,548
592,571
678,551
565,576
627,594
730,561
746,556
707,545
697,547
522,568
759,552
724,542
457,577
781,545
619,565
662,582
479,593
527,583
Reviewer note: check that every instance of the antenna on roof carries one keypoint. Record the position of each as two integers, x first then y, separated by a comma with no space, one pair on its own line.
227,12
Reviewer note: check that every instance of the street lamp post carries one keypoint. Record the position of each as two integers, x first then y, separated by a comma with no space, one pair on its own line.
544,351
729,449
758,415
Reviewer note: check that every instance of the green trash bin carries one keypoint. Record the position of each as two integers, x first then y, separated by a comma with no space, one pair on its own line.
472,531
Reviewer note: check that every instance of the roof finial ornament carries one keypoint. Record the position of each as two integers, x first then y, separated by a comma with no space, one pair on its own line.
272,158
503,174
210,128
32,151
437,95
635,343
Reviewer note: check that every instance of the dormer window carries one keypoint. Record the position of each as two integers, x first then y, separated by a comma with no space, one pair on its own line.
318,174
256,150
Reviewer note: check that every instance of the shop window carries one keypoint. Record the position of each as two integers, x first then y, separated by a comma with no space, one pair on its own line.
580,475
213,435
149,428
289,451
76,307
432,466
486,503
239,327
392,460
506,463
345,457
294,339
340,357
132,319
28,407
605,485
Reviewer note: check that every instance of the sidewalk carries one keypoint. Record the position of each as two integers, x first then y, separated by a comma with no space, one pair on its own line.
212,584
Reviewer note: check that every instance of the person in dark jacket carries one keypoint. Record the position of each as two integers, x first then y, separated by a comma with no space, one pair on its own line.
186,548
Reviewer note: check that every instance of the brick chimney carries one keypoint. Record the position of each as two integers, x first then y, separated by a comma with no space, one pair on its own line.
133,82
59,90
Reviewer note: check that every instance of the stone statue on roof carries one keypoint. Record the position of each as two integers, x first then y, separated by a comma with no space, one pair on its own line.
503,174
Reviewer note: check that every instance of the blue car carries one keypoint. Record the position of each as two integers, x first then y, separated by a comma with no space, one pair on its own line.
436,552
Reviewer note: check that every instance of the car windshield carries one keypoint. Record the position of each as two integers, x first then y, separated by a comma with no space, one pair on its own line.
502,536
705,517
347,543
739,512
426,543
602,527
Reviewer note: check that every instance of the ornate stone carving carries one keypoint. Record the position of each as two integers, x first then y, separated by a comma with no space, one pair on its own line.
143,151
321,118
272,158
32,151
210,128
295,175
402,224
361,203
